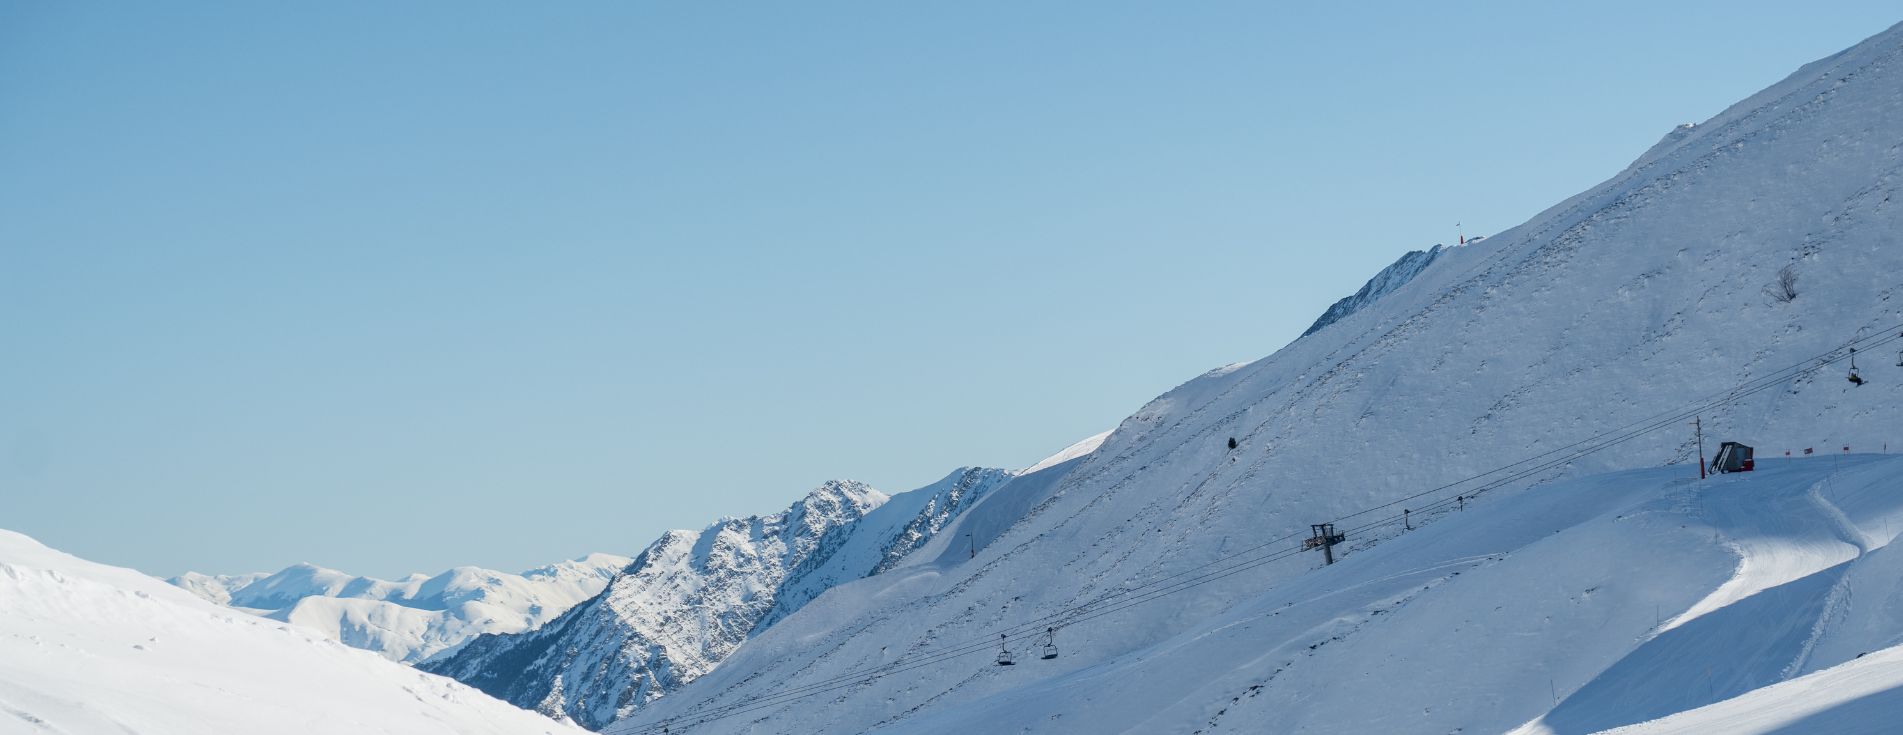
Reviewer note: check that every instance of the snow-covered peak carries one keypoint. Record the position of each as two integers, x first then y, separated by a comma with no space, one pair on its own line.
831,504
216,588
298,581
418,616
691,598
593,565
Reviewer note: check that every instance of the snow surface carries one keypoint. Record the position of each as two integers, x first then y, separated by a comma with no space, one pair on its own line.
1862,697
89,649
1082,448
1476,621
418,617
1594,601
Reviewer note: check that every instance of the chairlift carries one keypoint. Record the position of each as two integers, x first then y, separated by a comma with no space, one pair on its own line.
1004,654
1854,378
1050,644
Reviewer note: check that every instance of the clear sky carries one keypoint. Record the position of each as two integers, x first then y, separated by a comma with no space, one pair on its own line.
395,287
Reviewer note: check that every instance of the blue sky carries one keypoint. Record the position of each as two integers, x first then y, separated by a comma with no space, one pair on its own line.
392,289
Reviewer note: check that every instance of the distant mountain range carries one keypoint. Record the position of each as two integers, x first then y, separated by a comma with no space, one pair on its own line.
418,617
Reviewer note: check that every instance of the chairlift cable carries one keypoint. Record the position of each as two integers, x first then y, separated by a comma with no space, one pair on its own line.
1234,565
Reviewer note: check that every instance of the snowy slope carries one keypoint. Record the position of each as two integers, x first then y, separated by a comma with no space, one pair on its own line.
1862,697
1636,295
1484,620
89,649
418,617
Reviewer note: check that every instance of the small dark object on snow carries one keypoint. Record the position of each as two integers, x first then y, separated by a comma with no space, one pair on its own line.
1733,457
1232,442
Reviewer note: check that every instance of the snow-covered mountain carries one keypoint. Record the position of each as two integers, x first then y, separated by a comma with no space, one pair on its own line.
87,649
215,587
1571,607
1623,597
419,616
691,598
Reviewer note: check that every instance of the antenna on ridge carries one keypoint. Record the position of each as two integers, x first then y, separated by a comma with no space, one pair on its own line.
1462,233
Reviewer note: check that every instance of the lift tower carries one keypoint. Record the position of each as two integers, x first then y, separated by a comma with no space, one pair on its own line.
1325,538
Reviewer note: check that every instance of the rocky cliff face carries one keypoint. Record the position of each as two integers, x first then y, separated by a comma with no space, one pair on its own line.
1390,278
691,598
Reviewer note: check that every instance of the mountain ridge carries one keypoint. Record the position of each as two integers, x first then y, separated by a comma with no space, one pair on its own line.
690,599
414,618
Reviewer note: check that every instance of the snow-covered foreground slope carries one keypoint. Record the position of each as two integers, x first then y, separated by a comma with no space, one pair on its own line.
418,617
1638,295
1863,697
89,649
691,598
1568,608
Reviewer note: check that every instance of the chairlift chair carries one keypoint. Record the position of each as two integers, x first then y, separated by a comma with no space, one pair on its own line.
1854,378
1004,654
1050,644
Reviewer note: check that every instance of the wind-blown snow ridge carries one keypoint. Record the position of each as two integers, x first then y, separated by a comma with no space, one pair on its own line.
87,649
1082,448
1635,294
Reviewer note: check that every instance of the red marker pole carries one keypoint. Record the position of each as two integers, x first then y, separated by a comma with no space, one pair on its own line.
1699,426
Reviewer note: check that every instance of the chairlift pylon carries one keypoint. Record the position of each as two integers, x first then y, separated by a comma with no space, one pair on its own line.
1004,654
1050,644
